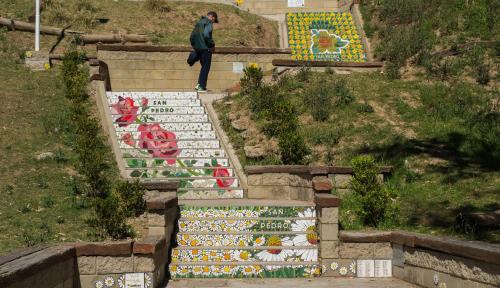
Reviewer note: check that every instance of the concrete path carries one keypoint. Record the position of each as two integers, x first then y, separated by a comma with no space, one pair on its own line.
291,283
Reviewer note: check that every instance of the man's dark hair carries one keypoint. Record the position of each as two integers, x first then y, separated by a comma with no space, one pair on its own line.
213,14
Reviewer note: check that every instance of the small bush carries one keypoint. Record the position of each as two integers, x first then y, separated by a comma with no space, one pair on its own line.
364,108
131,194
375,199
319,101
48,201
110,218
157,6
483,74
282,119
293,149
343,93
304,73
252,79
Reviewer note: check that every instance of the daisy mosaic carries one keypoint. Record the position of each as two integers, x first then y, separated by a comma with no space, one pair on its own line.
243,239
249,212
243,271
330,36
120,280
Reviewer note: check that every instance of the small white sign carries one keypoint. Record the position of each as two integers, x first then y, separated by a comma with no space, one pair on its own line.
238,67
296,3
383,268
134,280
365,268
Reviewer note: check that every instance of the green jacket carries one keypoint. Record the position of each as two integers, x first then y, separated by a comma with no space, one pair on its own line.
201,37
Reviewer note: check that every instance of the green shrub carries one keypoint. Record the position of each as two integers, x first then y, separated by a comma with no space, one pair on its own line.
75,76
375,199
304,73
252,79
132,197
110,218
319,100
293,148
344,95
483,74
157,6
282,119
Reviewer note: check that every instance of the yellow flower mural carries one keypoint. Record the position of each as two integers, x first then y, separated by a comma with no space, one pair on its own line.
324,36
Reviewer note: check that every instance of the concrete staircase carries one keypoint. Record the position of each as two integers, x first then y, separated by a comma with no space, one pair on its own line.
167,136
246,239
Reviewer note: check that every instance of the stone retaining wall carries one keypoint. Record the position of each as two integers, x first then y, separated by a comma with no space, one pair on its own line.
103,264
428,261
150,68
295,182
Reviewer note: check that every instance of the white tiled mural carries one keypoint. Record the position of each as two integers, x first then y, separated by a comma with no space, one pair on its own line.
167,136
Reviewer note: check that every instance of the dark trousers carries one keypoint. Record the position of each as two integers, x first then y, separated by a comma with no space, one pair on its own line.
206,62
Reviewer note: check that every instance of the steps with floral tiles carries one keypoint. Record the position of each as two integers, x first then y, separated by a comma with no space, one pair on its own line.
168,136
246,238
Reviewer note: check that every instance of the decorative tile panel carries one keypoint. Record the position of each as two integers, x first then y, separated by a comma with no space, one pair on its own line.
324,36
244,271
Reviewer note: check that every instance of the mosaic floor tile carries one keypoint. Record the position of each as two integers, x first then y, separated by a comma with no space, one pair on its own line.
193,194
246,240
223,225
248,212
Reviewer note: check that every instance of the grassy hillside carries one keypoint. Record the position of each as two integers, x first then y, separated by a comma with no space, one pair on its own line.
169,23
40,199
444,141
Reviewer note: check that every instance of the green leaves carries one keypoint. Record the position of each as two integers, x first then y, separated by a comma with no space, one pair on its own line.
136,163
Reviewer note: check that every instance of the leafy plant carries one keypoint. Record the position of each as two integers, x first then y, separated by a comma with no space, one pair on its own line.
375,199
252,78
343,93
131,195
319,100
293,148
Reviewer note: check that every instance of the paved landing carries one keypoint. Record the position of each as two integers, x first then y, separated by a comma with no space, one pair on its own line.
288,283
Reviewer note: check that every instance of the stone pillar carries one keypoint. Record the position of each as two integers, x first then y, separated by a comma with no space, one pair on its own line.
328,227
163,213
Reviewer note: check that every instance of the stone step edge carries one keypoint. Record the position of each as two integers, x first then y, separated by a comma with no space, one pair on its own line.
245,218
187,204
204,189
240,263
179,168
311,247
244,233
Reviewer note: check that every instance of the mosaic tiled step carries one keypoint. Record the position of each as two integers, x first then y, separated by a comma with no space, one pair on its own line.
209,193
245,254
170,118
192,182
184,172
202,163
200,126
180,135
246,239
174,162
223,225
183,153
179,144
306,212
244,270
137,96
157,110
136,104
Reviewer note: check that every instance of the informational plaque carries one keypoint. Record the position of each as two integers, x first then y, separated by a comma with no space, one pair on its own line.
383,268
365,268
134,280
238,67
296,3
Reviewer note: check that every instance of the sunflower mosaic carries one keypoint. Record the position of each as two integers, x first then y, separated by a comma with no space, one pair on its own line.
325,36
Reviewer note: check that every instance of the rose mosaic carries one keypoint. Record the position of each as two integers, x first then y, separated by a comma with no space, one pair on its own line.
203,126
167,136
181,135
184,153
120,280
244,271
113,96
330,36
127,142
